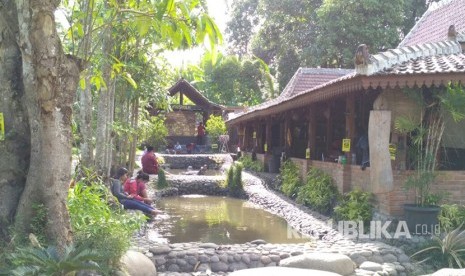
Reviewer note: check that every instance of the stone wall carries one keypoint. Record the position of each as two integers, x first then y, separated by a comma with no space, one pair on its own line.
213,161
194,184
181,123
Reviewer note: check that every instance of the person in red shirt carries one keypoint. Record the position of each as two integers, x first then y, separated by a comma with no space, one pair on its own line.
200,133
137,187
149,162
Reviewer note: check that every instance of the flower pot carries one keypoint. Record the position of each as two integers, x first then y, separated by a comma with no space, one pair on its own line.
422,220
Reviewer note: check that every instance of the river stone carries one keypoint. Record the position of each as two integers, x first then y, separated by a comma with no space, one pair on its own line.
389,258
371,266
280,271
258,242
449,272
332,262
163,249
208,245
137,264
219,266
265,260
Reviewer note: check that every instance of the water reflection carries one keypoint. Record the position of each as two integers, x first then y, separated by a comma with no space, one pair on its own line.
220,220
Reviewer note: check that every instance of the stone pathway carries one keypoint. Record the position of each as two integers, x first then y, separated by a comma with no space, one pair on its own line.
210,259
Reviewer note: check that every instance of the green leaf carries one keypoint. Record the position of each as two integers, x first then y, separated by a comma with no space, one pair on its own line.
130,80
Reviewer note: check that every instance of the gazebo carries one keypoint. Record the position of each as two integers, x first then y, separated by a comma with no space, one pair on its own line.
189,108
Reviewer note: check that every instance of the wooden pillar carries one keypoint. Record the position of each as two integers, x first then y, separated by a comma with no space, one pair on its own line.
181,98
311,132
287,132
329,128
244,138
351,131
256,141
268,135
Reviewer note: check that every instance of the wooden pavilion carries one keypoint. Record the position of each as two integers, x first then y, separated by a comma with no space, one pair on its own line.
321,113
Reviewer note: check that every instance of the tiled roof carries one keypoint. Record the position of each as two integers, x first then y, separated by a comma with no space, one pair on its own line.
388,59
303,80
433,25
454,63
307,78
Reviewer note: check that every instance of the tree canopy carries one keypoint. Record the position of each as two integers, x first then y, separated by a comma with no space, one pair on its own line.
288,34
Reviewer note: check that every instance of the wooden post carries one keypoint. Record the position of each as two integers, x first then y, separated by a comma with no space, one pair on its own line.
268,136
311,131
351,131
181,98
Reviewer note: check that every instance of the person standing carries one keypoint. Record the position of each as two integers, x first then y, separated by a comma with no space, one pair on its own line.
149,161
200,134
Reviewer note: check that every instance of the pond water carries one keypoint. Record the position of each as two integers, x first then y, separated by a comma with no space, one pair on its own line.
193,172
220,220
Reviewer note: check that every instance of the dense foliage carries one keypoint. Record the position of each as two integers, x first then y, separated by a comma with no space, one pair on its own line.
355,206
288,34
319,192
231,80
215,127
291,181
105,229
234,180
161,183
249,164
448,251
451,216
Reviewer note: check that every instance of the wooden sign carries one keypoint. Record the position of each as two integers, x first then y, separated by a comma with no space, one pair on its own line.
265,147
2,128
346,145
254,135
307,153
214,146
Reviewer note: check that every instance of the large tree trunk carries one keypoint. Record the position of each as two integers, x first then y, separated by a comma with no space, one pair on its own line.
85,99
50,81
104,113
85,116
134,125
15,148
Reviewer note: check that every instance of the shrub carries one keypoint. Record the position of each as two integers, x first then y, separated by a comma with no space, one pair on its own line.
355,206
96,225
215,127
250,164
162,183
319,192
446,252
46,261
451,216
290,176
234,180
153,131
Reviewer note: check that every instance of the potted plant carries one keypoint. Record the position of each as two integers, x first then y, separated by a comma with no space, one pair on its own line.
426,135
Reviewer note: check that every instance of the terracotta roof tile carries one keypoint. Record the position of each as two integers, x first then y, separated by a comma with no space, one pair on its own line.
304,79
454,63
433,25
307,78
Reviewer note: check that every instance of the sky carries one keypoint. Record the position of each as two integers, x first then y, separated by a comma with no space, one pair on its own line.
218,10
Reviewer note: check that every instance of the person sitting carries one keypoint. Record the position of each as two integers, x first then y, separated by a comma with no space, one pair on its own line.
137,188
190,148
128,200
202,170
149,161
177,148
